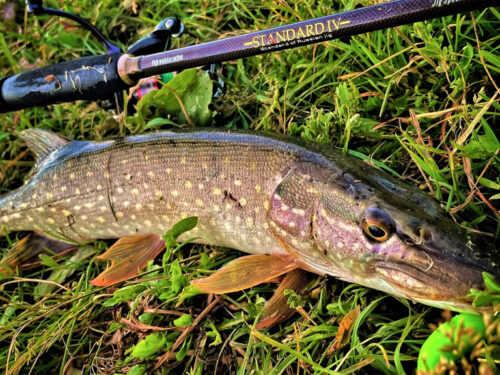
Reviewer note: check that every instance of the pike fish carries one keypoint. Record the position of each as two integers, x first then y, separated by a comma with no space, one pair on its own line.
290,204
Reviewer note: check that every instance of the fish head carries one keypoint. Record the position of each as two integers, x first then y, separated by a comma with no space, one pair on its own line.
372,229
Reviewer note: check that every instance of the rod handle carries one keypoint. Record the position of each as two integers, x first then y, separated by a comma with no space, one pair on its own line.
88,78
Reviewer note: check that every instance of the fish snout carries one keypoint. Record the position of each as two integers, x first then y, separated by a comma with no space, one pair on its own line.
436,274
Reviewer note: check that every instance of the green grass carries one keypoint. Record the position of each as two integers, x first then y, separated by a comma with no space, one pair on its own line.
420,101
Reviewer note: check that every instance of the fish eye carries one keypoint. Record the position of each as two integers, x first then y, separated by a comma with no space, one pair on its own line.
377,225
377,232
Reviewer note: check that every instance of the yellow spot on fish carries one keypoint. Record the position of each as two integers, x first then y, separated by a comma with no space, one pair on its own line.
257,210
200,186
228,206
30,219
175,193
168,170
151,174
24,205
72,176
217,191
237,182
204,165
119,190
243,201
89,174
89,205
77,191
50,220
311,190
291,224
100,197
49,195
53,210
253,165
227,225
133,217
216,208
128,176
257,188
158,194
145,185
199,203
103,208
184,215
126,204
226,159
298,211
101,220
40,209
165,218
98,187
249,222
212,222
119,214
188,185
135,191
84,217
266,205
183,160
148,223
34,196
138,206
17,215
64,188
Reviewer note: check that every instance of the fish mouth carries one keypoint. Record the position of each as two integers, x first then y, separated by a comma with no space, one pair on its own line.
437,279
410,281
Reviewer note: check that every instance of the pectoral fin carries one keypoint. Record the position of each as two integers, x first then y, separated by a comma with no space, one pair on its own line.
25,253
246,272
128,256
277,309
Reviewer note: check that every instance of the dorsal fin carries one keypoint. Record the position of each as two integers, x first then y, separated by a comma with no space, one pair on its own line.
42,142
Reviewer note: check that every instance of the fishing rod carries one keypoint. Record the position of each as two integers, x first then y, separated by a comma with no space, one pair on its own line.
95,77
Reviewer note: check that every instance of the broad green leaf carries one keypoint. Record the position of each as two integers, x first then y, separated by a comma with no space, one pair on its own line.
149,345
179,228
137,369
127,293
183,321
191,89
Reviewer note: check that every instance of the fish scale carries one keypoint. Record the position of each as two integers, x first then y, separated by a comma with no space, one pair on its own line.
305,205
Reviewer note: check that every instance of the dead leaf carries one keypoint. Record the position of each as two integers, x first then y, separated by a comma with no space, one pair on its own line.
345,329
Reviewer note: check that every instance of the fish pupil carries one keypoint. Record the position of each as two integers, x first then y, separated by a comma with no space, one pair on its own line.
376,232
